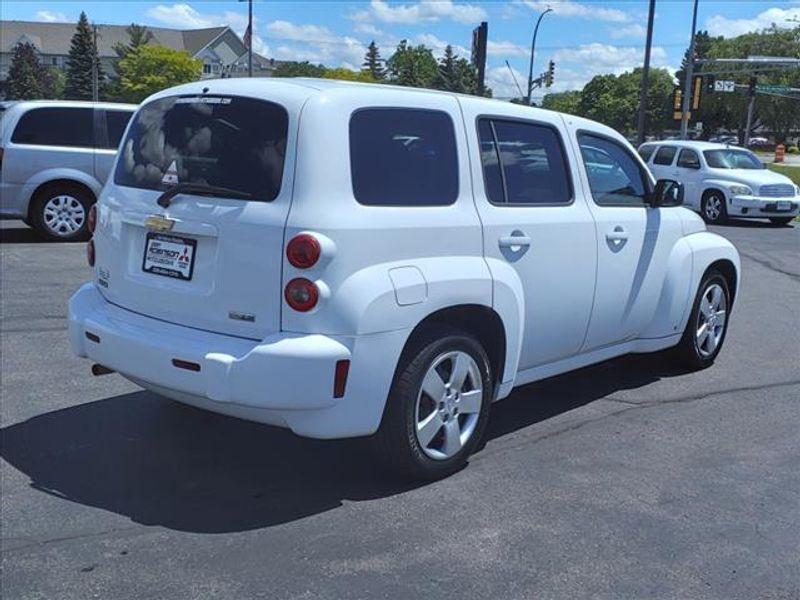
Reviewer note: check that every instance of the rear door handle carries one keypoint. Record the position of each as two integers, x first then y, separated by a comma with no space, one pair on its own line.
509,241
618,234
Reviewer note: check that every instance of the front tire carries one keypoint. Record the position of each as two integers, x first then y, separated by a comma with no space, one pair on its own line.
781,221
438,406
59,212
713,209
708,323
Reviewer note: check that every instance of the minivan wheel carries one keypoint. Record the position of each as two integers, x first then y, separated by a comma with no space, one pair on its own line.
438,406
713,208
59,213
708,323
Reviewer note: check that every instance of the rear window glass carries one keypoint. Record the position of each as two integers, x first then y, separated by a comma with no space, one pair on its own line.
55,126
116,122
403,157
229,142
646,152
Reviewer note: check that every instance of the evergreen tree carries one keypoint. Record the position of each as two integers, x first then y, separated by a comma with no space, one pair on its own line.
412,66
373,63
27,79
82,57
456,74
139,36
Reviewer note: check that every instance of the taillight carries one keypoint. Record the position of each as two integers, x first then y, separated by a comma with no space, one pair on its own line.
90,252
303,251
91,218
301,294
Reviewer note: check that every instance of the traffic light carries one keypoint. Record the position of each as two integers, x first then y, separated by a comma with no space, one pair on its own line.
551,73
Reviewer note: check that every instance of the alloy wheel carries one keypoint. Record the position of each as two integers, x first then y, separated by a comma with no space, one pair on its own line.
711,320
713,208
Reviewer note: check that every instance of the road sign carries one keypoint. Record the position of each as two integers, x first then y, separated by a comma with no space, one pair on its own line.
724,86
774,89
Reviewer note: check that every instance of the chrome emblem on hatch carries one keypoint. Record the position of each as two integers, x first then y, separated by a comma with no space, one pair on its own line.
159,223
240,316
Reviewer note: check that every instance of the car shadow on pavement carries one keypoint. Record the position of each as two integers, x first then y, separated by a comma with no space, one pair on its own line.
162,463
22,235
754,224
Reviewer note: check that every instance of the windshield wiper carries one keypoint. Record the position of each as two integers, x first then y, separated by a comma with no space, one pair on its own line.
165,199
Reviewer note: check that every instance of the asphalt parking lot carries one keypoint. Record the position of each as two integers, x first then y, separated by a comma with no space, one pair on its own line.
627,479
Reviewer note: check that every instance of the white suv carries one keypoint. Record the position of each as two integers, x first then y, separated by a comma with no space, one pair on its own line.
344,259
723,181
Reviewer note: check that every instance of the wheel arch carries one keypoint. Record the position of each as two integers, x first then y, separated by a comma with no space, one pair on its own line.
62,181
729,272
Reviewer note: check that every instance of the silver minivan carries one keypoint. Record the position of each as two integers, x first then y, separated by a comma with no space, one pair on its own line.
55,157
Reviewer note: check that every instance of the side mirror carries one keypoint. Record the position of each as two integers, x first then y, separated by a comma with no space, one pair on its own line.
667,193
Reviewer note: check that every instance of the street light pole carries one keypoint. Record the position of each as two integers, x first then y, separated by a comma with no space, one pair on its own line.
687,87
533,49
641,125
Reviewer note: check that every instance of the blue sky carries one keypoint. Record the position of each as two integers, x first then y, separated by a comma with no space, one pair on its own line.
584,37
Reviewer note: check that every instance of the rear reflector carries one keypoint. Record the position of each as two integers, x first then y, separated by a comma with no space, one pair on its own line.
340,377
90,252
185,364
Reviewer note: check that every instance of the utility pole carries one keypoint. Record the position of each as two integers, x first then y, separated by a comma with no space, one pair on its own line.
250,44
750,106
533,50
687,88
641,126
95,59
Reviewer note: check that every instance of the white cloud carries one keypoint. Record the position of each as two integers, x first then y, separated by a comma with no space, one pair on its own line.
783,17
438,45
49,16
570,8
425,11
634,30
369,29
316,44
505,49
184,16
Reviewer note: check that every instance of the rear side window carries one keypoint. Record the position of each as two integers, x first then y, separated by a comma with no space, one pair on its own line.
230,142
646,152
688,159
403,157
116,122
615,177
665,155
523,163
53,126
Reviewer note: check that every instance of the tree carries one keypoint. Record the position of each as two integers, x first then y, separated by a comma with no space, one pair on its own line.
82,60
152,68
412,66
139,36
348,75
373,63
299,69
565,102
28,79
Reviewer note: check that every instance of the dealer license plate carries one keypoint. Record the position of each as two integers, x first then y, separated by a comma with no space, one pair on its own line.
169,255
784,205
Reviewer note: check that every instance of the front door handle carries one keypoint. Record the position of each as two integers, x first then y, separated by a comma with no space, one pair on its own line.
514,241
618,234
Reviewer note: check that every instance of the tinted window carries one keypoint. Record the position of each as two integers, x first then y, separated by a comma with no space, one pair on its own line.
615,177
665,155
403,157
646,152
56,127
231,142
533,166
116,122
688,159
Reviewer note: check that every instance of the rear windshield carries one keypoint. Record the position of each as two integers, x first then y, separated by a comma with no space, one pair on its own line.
229,142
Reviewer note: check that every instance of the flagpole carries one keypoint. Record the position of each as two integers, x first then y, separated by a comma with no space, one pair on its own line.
250,45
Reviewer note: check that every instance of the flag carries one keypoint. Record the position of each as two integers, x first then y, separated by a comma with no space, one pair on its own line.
248,37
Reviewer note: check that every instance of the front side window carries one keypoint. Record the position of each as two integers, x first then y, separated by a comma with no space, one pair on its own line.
523,163
222,141
55,126
116,122
615,177
665,155
732,159
688,159
403,157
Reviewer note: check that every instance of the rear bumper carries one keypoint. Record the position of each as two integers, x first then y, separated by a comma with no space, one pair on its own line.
755,206
285,380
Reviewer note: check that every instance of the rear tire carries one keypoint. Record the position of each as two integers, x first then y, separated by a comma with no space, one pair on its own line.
713,209
708,323
59,211
438,406
781,221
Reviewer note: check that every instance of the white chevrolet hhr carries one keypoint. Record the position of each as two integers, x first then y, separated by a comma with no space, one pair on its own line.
722,181
346,259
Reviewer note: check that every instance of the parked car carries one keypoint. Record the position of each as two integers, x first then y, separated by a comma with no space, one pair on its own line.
722,181
54,159
725,139
758,142
390,263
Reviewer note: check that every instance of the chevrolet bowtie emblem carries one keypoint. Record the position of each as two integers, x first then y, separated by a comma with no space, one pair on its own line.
159,223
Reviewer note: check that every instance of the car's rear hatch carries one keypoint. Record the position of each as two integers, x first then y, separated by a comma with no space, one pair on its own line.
212,258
